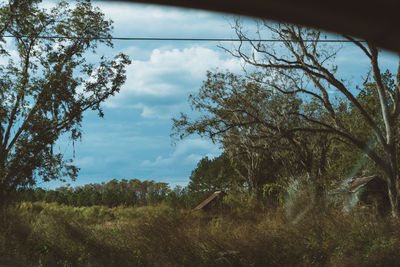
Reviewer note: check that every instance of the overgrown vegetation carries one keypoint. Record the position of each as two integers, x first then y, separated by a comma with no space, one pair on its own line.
42,234
293,113
291,128
115,193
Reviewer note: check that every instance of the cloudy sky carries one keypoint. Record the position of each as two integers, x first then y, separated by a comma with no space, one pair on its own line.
133,139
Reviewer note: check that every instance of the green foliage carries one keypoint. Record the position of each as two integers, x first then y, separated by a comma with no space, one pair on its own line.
241,205
265,143
213,175
47,85
179,197
209,176
51,234
292,115
246,118
114,193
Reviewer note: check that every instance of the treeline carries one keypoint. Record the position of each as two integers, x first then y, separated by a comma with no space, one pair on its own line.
125,192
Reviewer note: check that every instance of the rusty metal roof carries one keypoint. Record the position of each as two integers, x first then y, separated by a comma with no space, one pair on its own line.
357,183
208,200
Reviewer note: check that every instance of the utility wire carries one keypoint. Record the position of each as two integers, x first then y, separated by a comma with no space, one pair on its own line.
186,39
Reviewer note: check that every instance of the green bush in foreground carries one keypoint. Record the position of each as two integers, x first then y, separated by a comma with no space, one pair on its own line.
40,234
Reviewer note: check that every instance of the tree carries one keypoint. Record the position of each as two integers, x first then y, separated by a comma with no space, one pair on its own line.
212,175
294,106
304,66
255,127
47,85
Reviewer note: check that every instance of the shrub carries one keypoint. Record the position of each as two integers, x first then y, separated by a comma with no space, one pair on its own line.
51,234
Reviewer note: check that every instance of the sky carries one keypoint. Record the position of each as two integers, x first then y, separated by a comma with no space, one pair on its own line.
133,139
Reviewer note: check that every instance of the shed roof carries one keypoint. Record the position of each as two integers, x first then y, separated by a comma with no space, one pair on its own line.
207,200
359,182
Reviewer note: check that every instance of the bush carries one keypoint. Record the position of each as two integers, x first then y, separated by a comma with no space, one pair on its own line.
51,234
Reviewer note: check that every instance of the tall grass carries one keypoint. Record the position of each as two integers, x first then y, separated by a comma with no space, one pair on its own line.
40,234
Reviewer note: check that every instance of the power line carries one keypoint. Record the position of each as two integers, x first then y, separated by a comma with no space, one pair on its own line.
185,39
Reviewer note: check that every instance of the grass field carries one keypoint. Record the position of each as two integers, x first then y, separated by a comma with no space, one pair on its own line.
40,234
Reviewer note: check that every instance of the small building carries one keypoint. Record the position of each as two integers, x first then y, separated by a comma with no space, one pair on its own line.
360,182
213,202
370,191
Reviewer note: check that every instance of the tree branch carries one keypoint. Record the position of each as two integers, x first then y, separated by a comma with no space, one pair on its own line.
20,94
359,44
381,93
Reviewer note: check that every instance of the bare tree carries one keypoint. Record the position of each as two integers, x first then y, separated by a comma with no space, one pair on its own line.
304,66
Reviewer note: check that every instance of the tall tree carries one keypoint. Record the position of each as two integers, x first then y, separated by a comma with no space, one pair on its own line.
212,175
304,66
255,126
47,85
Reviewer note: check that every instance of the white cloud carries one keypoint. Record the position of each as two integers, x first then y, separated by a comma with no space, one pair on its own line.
160,85
187,152
85,162
158,111
146,20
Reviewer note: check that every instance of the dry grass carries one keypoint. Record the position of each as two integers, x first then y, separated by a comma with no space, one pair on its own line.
53,235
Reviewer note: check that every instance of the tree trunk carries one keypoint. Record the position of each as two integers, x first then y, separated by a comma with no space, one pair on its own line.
2,197
393,181
393,195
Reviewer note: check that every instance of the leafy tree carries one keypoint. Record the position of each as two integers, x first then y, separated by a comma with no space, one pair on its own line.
303,66
212,175
209,176
179,197
294,113
113,193
255,127
157,192
40,194
51,196
47,85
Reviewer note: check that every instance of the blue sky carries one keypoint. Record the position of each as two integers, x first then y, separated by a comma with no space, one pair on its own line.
133,139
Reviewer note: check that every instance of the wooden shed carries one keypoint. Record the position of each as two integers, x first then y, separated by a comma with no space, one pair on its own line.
213,202
371,191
